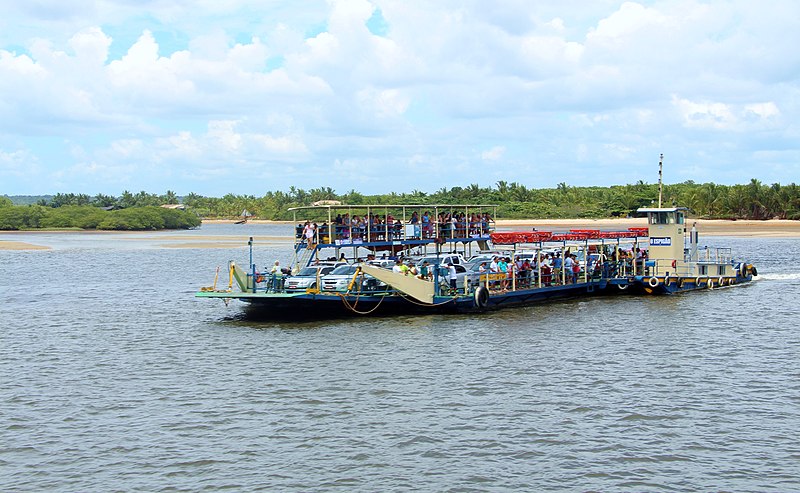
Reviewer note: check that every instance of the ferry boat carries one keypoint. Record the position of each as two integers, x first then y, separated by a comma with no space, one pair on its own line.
663,258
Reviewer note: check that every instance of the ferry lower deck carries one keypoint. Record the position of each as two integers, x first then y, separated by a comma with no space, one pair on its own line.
470,300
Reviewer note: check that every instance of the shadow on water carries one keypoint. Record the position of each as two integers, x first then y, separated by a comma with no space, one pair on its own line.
545,312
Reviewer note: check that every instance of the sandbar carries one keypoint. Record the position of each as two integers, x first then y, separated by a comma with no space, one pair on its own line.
219,244
773,228
19,245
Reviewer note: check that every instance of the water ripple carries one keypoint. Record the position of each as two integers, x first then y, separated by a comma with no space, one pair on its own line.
120,381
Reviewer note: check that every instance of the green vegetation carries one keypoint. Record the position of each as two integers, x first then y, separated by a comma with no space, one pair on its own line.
15,217
751,201
140,212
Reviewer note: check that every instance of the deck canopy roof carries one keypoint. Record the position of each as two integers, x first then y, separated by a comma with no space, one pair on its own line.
394,206
661,209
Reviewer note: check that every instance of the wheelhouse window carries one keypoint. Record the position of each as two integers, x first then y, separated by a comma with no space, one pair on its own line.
662,218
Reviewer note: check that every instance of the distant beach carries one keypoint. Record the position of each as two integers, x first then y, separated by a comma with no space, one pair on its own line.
20,245
775,228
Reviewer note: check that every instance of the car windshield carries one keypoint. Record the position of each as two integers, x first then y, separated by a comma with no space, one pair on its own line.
307,271
344,270
482,258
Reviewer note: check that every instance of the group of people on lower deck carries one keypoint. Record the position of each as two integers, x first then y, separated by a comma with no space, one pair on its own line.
557,269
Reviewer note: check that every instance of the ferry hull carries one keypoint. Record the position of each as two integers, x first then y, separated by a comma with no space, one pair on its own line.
675,285
321,306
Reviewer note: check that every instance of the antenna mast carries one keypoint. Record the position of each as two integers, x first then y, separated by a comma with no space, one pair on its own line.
660,167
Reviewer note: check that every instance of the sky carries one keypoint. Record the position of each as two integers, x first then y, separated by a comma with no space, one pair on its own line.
379,96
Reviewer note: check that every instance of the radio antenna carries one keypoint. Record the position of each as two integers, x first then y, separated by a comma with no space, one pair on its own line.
660,167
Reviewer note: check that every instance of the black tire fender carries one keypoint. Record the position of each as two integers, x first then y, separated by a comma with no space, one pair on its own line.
481,297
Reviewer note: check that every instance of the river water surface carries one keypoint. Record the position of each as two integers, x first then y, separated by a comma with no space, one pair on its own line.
115,378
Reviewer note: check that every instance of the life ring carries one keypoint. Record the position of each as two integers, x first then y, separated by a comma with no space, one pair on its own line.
754,270
743,269
721,281
669,280
259,278
481,297
653,282
674,263
698,281
622,287
710,282
680,282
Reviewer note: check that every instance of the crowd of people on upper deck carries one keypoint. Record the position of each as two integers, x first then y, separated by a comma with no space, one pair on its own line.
377,227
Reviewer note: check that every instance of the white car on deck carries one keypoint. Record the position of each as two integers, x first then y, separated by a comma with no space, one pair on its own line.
306,278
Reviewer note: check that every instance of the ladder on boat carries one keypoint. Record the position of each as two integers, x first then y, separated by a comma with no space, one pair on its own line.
302,255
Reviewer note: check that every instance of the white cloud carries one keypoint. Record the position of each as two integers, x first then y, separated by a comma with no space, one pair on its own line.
91,45
721,116
15,66
494,154
763,111
19,163
222,135
385,103
170,87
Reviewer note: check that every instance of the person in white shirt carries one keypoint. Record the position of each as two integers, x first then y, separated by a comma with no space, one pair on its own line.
568,263
453,276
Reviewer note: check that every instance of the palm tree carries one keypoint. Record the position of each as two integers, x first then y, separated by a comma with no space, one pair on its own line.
755,195
170,197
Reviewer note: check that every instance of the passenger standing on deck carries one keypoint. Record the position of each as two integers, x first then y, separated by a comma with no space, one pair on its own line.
557,267
493,270
568,262
526,270
425,271
576,269
309,234
453,276
426,224
502,267
600,265
547,277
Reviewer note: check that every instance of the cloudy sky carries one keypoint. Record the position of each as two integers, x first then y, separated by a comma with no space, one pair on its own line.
245,96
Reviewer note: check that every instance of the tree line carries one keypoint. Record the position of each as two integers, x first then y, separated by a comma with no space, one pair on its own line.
753,200
22,217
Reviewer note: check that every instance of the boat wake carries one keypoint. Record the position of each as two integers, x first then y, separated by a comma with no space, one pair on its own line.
777,276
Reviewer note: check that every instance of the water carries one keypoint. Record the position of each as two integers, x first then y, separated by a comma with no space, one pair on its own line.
114,378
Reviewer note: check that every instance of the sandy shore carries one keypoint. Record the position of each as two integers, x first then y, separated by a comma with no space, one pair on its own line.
251,221
744,229
19,245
